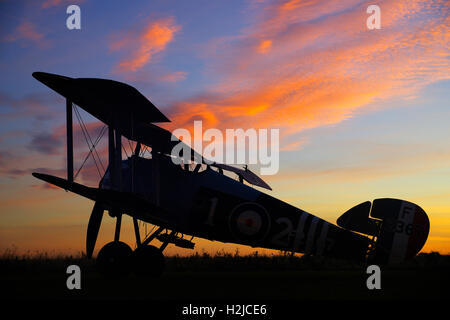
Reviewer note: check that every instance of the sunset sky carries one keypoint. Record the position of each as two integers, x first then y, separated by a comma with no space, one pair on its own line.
362,114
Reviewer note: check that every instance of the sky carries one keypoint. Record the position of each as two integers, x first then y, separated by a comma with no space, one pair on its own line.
362,114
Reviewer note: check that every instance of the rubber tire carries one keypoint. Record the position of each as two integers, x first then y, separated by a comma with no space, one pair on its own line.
115,259
148,261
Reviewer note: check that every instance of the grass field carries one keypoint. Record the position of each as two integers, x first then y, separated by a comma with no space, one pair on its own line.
230,277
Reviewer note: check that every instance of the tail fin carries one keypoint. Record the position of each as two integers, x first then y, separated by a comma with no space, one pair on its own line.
400,228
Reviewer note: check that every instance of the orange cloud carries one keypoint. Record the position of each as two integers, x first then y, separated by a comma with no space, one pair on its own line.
264,46
146,44
326,64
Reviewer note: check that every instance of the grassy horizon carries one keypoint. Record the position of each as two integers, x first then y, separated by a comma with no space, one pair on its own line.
10,261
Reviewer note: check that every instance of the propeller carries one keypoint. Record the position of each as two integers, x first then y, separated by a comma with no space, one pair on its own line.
93,227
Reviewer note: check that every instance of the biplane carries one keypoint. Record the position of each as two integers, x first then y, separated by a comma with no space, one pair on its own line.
198,200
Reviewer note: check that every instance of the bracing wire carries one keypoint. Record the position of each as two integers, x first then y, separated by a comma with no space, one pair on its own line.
124,150
143,151
86,139
131,146
102,132
90,144
87,136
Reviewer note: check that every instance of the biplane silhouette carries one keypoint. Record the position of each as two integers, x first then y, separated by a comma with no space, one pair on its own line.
198,200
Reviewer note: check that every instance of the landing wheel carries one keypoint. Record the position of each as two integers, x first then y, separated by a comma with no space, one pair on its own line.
114,259
148,261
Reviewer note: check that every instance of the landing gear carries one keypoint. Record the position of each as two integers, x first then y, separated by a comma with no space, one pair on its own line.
148,261
114,259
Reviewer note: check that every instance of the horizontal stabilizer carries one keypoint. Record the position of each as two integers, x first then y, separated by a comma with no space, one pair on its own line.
357,219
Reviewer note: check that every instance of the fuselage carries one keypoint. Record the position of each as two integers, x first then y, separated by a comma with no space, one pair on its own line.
211,205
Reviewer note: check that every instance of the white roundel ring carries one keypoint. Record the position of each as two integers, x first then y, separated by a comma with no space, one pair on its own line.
249,222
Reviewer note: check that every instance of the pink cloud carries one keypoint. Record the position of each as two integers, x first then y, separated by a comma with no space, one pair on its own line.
51,3
173,76
25,31
54,3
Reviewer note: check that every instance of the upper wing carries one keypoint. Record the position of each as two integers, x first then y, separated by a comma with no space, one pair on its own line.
124,108
104,98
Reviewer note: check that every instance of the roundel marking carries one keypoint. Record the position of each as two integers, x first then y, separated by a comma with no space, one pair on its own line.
249,222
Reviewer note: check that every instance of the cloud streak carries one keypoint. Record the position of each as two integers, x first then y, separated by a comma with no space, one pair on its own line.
25,31
46,143
304,64
142,46
38,106
55,3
